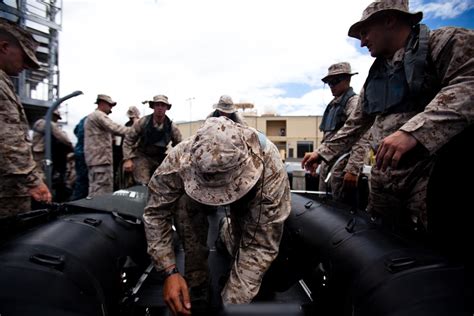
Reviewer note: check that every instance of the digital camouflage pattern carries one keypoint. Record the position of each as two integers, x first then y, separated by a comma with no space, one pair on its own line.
352,164
261,209
343,68
223,162
383,5
17,167
101,180
25,39
448,114
144,166
39,144
225,104
98,134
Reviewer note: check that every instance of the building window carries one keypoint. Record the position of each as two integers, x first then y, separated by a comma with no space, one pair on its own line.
304,147
291,152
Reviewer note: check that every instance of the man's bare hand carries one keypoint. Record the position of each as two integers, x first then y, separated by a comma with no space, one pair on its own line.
176,295
350,180
310,162
41,193
392,148
128,165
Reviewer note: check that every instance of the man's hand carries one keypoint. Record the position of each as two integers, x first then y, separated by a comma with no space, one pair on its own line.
128,165
392,148
310,162
176,295
41,193
350,181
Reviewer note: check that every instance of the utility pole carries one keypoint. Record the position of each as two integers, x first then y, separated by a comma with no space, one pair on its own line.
190,100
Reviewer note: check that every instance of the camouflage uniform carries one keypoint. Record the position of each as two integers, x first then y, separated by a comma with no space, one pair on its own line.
226,105
38,141
446,115
352,163
17,168
98,133
145,165
212,172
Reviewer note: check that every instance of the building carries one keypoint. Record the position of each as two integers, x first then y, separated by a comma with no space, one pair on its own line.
293,135
37,88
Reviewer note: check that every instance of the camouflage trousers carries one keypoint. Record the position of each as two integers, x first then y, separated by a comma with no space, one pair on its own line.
101,180
399,196
144,167
336,180
14,205
191,223
246,274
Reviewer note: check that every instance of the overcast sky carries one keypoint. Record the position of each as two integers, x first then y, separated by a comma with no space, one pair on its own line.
271,53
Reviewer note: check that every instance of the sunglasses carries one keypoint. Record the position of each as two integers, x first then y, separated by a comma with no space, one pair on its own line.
335,81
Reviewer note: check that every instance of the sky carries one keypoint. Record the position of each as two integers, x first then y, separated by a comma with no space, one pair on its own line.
272,53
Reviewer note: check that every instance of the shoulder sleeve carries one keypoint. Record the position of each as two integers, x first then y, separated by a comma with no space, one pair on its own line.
351,104
358,153
111,126
59,134
451,110
132,137
165,189
176,136
355,126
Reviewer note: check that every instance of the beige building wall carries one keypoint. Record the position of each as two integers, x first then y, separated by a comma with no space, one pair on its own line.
293,135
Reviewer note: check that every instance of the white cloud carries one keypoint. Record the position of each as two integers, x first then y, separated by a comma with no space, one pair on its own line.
133,50
443,9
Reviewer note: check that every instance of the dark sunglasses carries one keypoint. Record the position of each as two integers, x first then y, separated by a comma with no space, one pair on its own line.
335,81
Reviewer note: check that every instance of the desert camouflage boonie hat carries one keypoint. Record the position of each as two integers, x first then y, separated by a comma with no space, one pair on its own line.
133,112
25,39
225,104
224,162
380,6
159,99
343,68
106,98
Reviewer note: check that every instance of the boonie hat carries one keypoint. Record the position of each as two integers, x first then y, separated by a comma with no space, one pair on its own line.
133,112
25,39
160,99
224,162
376,7
343,68
225,104
106,98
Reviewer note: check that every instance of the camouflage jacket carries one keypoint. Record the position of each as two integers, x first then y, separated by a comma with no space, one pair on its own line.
350,107
166,187
359,150
17,167
132,139
98,132
446,115
38,135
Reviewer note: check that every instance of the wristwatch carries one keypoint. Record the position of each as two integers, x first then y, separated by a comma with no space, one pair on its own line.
166,274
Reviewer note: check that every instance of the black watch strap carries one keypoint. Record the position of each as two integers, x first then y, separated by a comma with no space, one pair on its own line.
166,274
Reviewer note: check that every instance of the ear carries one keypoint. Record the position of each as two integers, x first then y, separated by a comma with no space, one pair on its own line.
4,45
390,20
